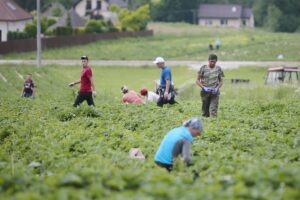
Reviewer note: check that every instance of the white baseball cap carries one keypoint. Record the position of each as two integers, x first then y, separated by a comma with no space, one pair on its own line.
159,60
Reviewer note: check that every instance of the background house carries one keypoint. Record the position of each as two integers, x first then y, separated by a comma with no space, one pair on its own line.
232,15
97,9
54,10
12,18
75,20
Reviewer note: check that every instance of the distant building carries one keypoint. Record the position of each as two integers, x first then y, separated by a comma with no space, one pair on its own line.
54,10
225,15
12,18
97,9
75,20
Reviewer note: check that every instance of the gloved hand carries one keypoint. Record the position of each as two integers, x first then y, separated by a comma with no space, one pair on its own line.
94,93
206,89
215,90
71,84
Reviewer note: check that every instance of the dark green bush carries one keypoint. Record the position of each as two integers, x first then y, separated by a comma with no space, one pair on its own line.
59,31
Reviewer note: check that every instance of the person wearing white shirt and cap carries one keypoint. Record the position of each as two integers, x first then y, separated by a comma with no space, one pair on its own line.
149,95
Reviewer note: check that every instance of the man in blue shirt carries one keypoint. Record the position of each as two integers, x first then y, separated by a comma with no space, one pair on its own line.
166,89
178,142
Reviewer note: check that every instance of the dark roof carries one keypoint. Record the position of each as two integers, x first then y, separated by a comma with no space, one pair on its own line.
10,11
247,13
229,11
76,20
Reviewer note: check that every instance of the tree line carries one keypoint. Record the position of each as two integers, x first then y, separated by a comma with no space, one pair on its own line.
276,15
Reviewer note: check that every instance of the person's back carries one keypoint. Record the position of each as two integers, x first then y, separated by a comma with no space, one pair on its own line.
165,152
28,85
132,97
152,96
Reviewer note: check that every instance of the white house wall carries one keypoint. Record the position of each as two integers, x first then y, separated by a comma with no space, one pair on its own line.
5,27
230,23
81,7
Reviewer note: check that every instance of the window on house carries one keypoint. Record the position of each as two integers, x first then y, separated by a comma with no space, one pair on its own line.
244,22
224,22
208,22
0,35
98,5
88,4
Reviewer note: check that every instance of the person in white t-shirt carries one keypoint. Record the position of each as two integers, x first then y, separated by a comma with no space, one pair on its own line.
149,95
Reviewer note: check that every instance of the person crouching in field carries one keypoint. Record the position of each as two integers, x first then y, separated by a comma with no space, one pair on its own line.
130,96
149,95
210,79
178,142
28,89
87,86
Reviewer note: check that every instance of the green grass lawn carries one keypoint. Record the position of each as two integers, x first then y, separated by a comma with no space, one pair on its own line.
50,150
184,42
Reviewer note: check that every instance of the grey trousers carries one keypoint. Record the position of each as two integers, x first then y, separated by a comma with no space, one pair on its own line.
210,104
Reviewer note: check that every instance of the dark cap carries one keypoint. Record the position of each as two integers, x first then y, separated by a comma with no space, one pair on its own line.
84,58
213,57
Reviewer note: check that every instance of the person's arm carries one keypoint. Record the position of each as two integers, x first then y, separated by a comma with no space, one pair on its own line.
33,92
220,80
221,76
93,87
220,83
74,83
199,82
186,151
168,84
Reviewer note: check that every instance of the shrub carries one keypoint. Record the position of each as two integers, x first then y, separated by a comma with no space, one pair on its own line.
96,26
79,30
59,31
57,12
30,28
133,20
16,35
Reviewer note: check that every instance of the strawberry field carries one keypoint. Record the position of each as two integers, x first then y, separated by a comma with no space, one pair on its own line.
50,150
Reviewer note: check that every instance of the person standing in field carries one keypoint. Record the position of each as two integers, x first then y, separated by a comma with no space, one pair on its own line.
218,43
166,89
28,89
178,142
87,87
130,96
210,80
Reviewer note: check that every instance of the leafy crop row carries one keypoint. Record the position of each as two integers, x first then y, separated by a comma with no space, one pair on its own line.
50,150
